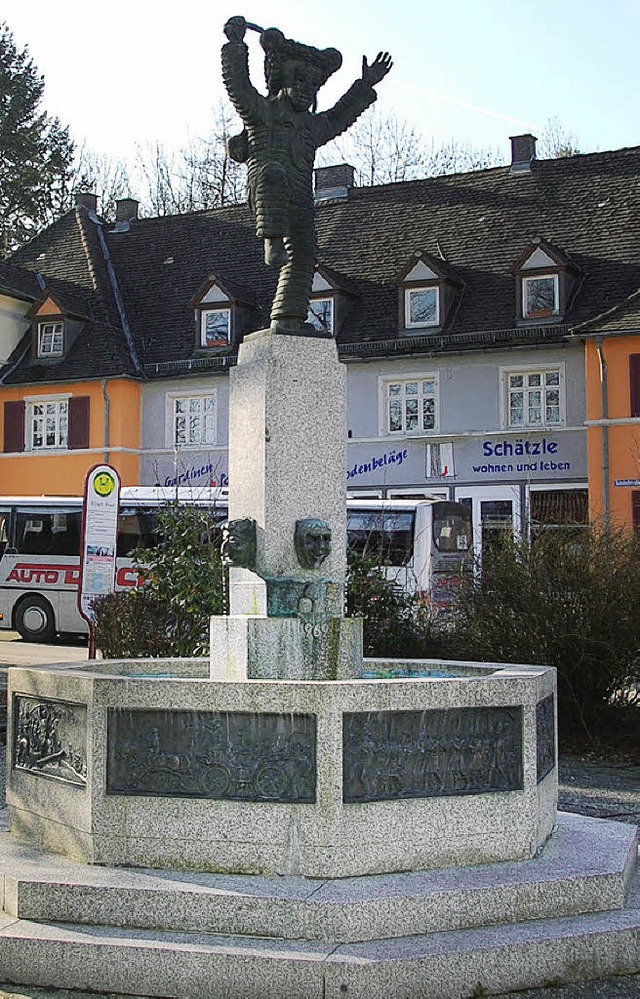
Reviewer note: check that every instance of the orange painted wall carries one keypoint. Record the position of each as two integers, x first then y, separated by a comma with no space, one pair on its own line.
624,439
63,473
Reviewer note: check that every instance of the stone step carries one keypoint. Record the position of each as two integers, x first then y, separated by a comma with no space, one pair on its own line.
586,867
450,965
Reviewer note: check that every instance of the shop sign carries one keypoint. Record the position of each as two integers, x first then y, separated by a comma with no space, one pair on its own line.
520,456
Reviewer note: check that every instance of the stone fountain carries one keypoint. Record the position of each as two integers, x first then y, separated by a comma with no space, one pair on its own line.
269,823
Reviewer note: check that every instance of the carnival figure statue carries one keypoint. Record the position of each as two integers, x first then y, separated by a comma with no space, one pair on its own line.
281,134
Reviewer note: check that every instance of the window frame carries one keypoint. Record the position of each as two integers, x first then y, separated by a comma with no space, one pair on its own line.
331,300
527,279
171,432
384,383
204,311
44,400
507,371
412,289
41,332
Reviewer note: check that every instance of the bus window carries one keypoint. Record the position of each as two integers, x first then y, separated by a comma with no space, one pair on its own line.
452,531
385,535
4,530
137,528
48,533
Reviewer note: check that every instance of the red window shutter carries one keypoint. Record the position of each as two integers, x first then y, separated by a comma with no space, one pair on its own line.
635,509
14,425
634,383
79,421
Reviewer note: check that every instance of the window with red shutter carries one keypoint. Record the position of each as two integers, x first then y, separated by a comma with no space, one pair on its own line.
14,413
635,509
634,384
79,406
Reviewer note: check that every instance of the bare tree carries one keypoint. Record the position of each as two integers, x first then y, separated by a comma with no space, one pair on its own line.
155,166
556,141
199,176
107,178
385,149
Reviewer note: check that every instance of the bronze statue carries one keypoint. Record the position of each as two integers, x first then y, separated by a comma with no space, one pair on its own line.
281,134
312,541
239,539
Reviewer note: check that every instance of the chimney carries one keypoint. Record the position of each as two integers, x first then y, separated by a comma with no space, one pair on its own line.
126,209
86,200
333,181
523,153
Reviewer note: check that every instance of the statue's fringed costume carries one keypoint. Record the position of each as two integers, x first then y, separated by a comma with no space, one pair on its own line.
278,144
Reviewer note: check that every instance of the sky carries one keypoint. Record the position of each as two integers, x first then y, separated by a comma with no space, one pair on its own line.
129,73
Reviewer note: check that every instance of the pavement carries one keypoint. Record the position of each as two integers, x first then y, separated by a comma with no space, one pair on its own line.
15,652
599,788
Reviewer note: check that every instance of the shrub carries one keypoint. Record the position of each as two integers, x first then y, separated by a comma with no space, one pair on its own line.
566,601
132,624
394,623
183,587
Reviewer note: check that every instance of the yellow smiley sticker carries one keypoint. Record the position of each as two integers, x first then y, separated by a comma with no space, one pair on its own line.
104,484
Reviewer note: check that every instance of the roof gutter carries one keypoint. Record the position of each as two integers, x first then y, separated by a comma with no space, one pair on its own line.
126,329
107,403
604,409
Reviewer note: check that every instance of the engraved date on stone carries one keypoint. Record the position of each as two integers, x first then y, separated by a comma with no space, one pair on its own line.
234,756
50,738
424,754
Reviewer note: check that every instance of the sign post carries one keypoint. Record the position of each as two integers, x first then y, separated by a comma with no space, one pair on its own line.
99,534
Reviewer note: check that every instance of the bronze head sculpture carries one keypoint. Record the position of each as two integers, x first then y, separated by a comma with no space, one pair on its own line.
279,141
239,543
312,542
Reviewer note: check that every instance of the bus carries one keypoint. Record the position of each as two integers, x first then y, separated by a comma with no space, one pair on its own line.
423,545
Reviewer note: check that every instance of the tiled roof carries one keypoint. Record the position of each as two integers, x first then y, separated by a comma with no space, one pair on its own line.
622,318
73,264
587,207
18,282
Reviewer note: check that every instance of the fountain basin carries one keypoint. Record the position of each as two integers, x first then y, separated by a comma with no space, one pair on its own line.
150,763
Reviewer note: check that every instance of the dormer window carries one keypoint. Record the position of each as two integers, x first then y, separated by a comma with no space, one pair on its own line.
320,314
429,291
540,297
422,307
223,310
545,282
50,339
215,326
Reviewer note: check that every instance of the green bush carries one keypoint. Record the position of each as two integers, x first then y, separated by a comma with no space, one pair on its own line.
394,623
183,587
132,624
569,601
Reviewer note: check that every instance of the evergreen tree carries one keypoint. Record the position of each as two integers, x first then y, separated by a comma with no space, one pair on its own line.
36,152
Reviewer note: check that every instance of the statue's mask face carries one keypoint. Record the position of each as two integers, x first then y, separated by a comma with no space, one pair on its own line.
301,83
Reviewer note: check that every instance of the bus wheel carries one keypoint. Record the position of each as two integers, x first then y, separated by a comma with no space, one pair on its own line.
34,620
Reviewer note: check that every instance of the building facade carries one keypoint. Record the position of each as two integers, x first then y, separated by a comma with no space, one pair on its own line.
464,307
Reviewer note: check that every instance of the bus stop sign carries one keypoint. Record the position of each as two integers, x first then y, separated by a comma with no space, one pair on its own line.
99,532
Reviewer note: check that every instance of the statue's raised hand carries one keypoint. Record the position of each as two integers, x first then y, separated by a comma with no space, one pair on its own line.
378,69
235,28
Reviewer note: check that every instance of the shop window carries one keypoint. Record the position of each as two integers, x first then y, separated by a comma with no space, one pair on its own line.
565,510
